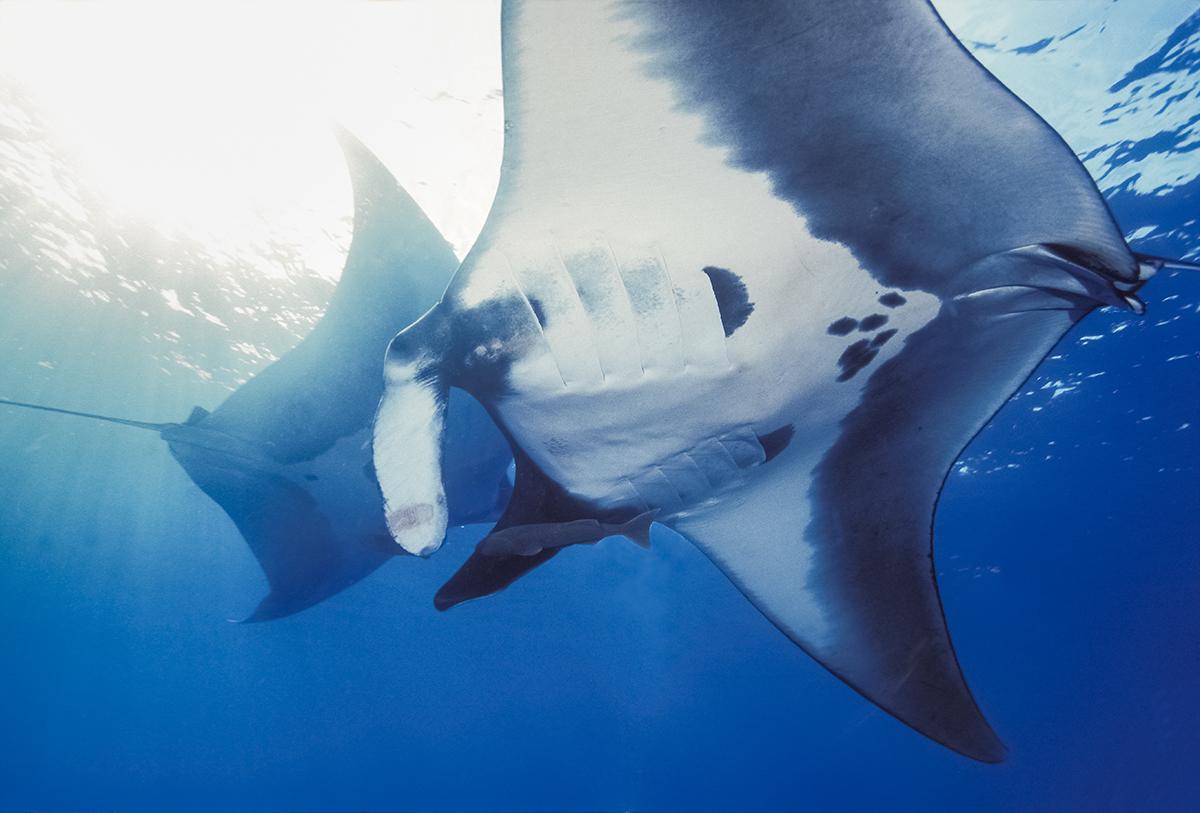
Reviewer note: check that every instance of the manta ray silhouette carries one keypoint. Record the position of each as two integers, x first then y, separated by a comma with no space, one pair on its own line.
287,456
763,269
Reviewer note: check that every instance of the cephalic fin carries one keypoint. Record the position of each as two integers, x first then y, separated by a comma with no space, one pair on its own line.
1152,263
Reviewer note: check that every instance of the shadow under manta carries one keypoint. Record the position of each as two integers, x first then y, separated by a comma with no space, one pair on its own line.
287,456
763,269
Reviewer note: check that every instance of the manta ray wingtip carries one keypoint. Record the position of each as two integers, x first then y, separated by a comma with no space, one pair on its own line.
980,743
990,750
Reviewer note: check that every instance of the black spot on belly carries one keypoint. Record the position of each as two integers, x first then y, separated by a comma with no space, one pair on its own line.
776,441
881,338
733,300
892,300
311,478
872,322
538,310
842,326
857,356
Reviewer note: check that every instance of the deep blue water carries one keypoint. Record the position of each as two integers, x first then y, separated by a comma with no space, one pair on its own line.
616,679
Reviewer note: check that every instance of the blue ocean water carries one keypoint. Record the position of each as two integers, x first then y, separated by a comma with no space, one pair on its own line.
615,679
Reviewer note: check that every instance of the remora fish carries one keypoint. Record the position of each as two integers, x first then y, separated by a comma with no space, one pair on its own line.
287,456
764,268
528,540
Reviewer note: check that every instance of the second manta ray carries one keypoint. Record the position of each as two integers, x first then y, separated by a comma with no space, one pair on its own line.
287,455
763,269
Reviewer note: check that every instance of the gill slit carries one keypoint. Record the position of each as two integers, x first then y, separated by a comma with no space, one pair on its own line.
671,483
637,331
587,317
703,474
687,362
512,275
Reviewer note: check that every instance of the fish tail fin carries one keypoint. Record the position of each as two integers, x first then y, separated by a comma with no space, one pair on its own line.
154,427
637,530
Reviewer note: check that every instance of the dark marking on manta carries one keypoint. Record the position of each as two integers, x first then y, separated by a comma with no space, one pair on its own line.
776,441
856,356
733,300
872,322
486,340
881,338
842,326
892,300
312,478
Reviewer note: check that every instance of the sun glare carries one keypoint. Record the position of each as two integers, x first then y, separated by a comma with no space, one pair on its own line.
213,119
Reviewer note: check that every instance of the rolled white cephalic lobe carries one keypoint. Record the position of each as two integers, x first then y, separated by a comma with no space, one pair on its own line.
407,447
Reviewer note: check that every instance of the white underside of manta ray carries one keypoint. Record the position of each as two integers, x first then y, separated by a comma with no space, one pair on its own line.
759,271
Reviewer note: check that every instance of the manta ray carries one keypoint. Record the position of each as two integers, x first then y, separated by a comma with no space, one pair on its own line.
759,271
287,456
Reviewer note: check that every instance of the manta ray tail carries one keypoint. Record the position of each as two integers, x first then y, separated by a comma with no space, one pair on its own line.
154,427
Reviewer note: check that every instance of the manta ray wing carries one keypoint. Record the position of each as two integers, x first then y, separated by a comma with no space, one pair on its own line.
835,548
763,268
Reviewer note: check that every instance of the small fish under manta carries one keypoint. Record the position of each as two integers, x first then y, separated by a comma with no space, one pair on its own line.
532,539
287,455
760,271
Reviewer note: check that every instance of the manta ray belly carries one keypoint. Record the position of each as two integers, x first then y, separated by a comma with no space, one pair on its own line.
654,386
673,300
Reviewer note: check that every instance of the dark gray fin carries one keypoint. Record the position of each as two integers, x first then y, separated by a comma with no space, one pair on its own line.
197,415
304,557
482,575
536,499
637,530
153,427
834,545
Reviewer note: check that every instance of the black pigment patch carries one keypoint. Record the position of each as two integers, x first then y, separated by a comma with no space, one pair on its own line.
733,300
842,326
892,300
538,310
857,356
312,478
484,342
776,441
872,322
881,338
